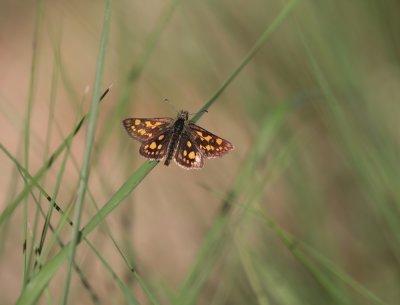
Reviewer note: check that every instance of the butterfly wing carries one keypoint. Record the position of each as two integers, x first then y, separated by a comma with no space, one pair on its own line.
146,129
188,155
210,145
156,147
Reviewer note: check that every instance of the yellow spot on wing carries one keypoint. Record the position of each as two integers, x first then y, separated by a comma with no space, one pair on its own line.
185,152
153,145
208,138
150,124
159,146
219,141
192,155
142,131
189,144
137,122
161,137
199,133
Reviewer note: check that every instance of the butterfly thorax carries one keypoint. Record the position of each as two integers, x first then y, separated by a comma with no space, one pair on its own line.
178,125
177,129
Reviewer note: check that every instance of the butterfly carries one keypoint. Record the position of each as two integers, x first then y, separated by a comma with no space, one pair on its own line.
186,143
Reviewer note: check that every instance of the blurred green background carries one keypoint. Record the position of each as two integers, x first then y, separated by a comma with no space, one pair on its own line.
305,210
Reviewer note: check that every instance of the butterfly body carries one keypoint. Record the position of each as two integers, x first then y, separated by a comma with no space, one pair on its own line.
185,142
177,129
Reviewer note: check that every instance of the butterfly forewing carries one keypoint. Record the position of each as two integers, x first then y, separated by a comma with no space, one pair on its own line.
210,145
156,147
145,129
188,155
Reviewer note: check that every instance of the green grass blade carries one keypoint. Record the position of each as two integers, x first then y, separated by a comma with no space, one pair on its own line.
151,45
8,211
31,94
39,282
362,290
127,292
65,219
251,273
137,68
84,175
304,254
122,193
52,203
150,295
259,43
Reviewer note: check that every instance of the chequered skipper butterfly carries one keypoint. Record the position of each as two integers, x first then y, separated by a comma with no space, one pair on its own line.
178,139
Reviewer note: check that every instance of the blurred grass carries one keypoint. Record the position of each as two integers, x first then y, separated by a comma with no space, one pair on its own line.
32,86
84,171
304,211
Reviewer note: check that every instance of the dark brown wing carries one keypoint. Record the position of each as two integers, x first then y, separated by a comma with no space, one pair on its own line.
188,155
156,147
145,129
210,145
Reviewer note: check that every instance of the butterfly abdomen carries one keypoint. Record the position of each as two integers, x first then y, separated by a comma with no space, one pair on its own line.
172,148
173,144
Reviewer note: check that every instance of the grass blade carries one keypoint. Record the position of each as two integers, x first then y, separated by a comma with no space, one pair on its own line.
261,40
31,93
84,176
39,282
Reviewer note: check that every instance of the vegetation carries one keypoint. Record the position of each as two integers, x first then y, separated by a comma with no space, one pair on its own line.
305,210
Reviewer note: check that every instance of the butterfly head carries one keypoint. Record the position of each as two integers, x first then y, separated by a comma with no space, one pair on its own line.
183,115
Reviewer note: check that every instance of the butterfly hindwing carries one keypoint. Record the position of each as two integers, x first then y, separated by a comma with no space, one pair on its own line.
188,155
144,129
156,147
210,145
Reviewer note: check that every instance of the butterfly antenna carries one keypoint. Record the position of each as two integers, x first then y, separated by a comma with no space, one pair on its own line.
170,104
